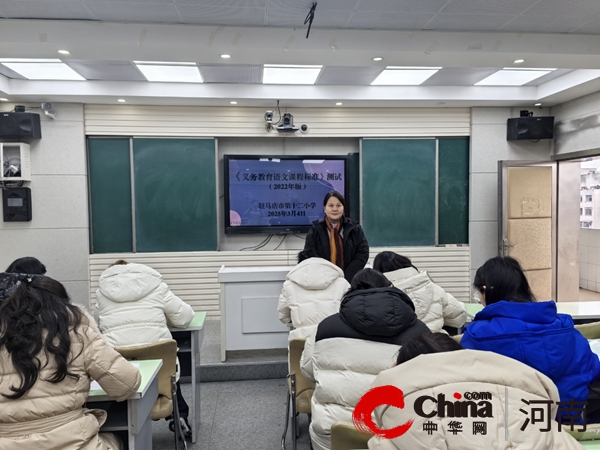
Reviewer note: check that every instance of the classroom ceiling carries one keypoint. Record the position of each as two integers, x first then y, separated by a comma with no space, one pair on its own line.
468,39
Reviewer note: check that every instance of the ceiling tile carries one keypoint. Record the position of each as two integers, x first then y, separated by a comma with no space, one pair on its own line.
488,7
234,73
295,18
105,70
305,5
10,73
551,76
559,8
468,22
458,76
591,27
216,15
224,3
145,2
134,12
401,6
389,21
350,76
544,24
44,9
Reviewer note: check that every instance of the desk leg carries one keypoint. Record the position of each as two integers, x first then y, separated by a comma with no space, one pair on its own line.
196,339
139,418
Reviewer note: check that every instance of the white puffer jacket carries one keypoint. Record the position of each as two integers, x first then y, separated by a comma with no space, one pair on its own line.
433,305
136,307
312,291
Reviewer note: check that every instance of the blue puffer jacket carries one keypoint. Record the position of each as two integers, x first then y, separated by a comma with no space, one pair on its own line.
536,335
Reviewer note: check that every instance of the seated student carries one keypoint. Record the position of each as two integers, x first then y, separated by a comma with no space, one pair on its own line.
312,291
28,264
50,351
429,367
135,306
351,347
515,325
433,305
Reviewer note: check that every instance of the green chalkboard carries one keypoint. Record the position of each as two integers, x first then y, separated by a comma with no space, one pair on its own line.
110,195
175,195
453,199
398,191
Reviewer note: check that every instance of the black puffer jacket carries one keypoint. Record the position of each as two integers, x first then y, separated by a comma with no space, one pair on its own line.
356,247
380,315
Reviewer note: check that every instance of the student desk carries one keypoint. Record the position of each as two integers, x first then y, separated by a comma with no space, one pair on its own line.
132,416
189,341
591,445
580,311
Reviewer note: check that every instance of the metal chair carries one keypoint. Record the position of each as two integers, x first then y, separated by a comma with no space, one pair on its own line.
300,392
344,436
166,403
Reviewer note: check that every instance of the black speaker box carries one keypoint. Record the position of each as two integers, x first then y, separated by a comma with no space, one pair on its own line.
530,128
20,126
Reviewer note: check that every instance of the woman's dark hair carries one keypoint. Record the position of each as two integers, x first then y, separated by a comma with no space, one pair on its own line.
502,278
37,318
427,343
368,279
119,262
337,195
28,264
390,261
306,254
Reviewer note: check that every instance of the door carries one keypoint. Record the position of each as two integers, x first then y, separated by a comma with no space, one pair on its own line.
527,221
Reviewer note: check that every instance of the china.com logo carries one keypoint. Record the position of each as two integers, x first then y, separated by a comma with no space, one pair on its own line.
469,404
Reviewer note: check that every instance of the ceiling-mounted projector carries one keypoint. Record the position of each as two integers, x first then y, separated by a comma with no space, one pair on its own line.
287,124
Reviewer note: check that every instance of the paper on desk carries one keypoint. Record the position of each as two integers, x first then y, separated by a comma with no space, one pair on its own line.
95,386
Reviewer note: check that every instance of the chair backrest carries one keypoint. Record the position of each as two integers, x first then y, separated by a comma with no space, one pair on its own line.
345,437
589,330
304,388
165,350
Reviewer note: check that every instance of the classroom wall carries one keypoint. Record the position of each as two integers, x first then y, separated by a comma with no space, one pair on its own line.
577,125
58,232
488,146
589,259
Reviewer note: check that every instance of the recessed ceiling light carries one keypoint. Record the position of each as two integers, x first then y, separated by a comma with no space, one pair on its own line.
233,103
512,76
169,72
41,69
121,100
290,74
3,99
225,56
537,104
519,61
64,52
404,76
378,58
339,104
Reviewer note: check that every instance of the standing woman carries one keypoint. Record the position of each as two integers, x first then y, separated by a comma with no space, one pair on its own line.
337,238
49,352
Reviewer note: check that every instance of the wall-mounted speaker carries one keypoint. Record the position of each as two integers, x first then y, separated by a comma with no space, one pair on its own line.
530,128
20,126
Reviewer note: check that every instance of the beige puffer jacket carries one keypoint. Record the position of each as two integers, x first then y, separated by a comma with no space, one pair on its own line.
433,305
51,415
136,307
470,371
312,291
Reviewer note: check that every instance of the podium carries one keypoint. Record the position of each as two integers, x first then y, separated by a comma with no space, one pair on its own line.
248,301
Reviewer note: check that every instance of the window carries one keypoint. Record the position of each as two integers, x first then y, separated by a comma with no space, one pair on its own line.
581,211
588,211
588,198
586,224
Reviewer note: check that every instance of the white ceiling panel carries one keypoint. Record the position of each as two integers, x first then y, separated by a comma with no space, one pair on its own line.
234,73
545,24
551,76
389,21
167,2
295,18
488,7
458,76
591,27
349,76
216,15
10,73
306,5
134,12
468,22
401,6
105,70
225,3
44,9
558,8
